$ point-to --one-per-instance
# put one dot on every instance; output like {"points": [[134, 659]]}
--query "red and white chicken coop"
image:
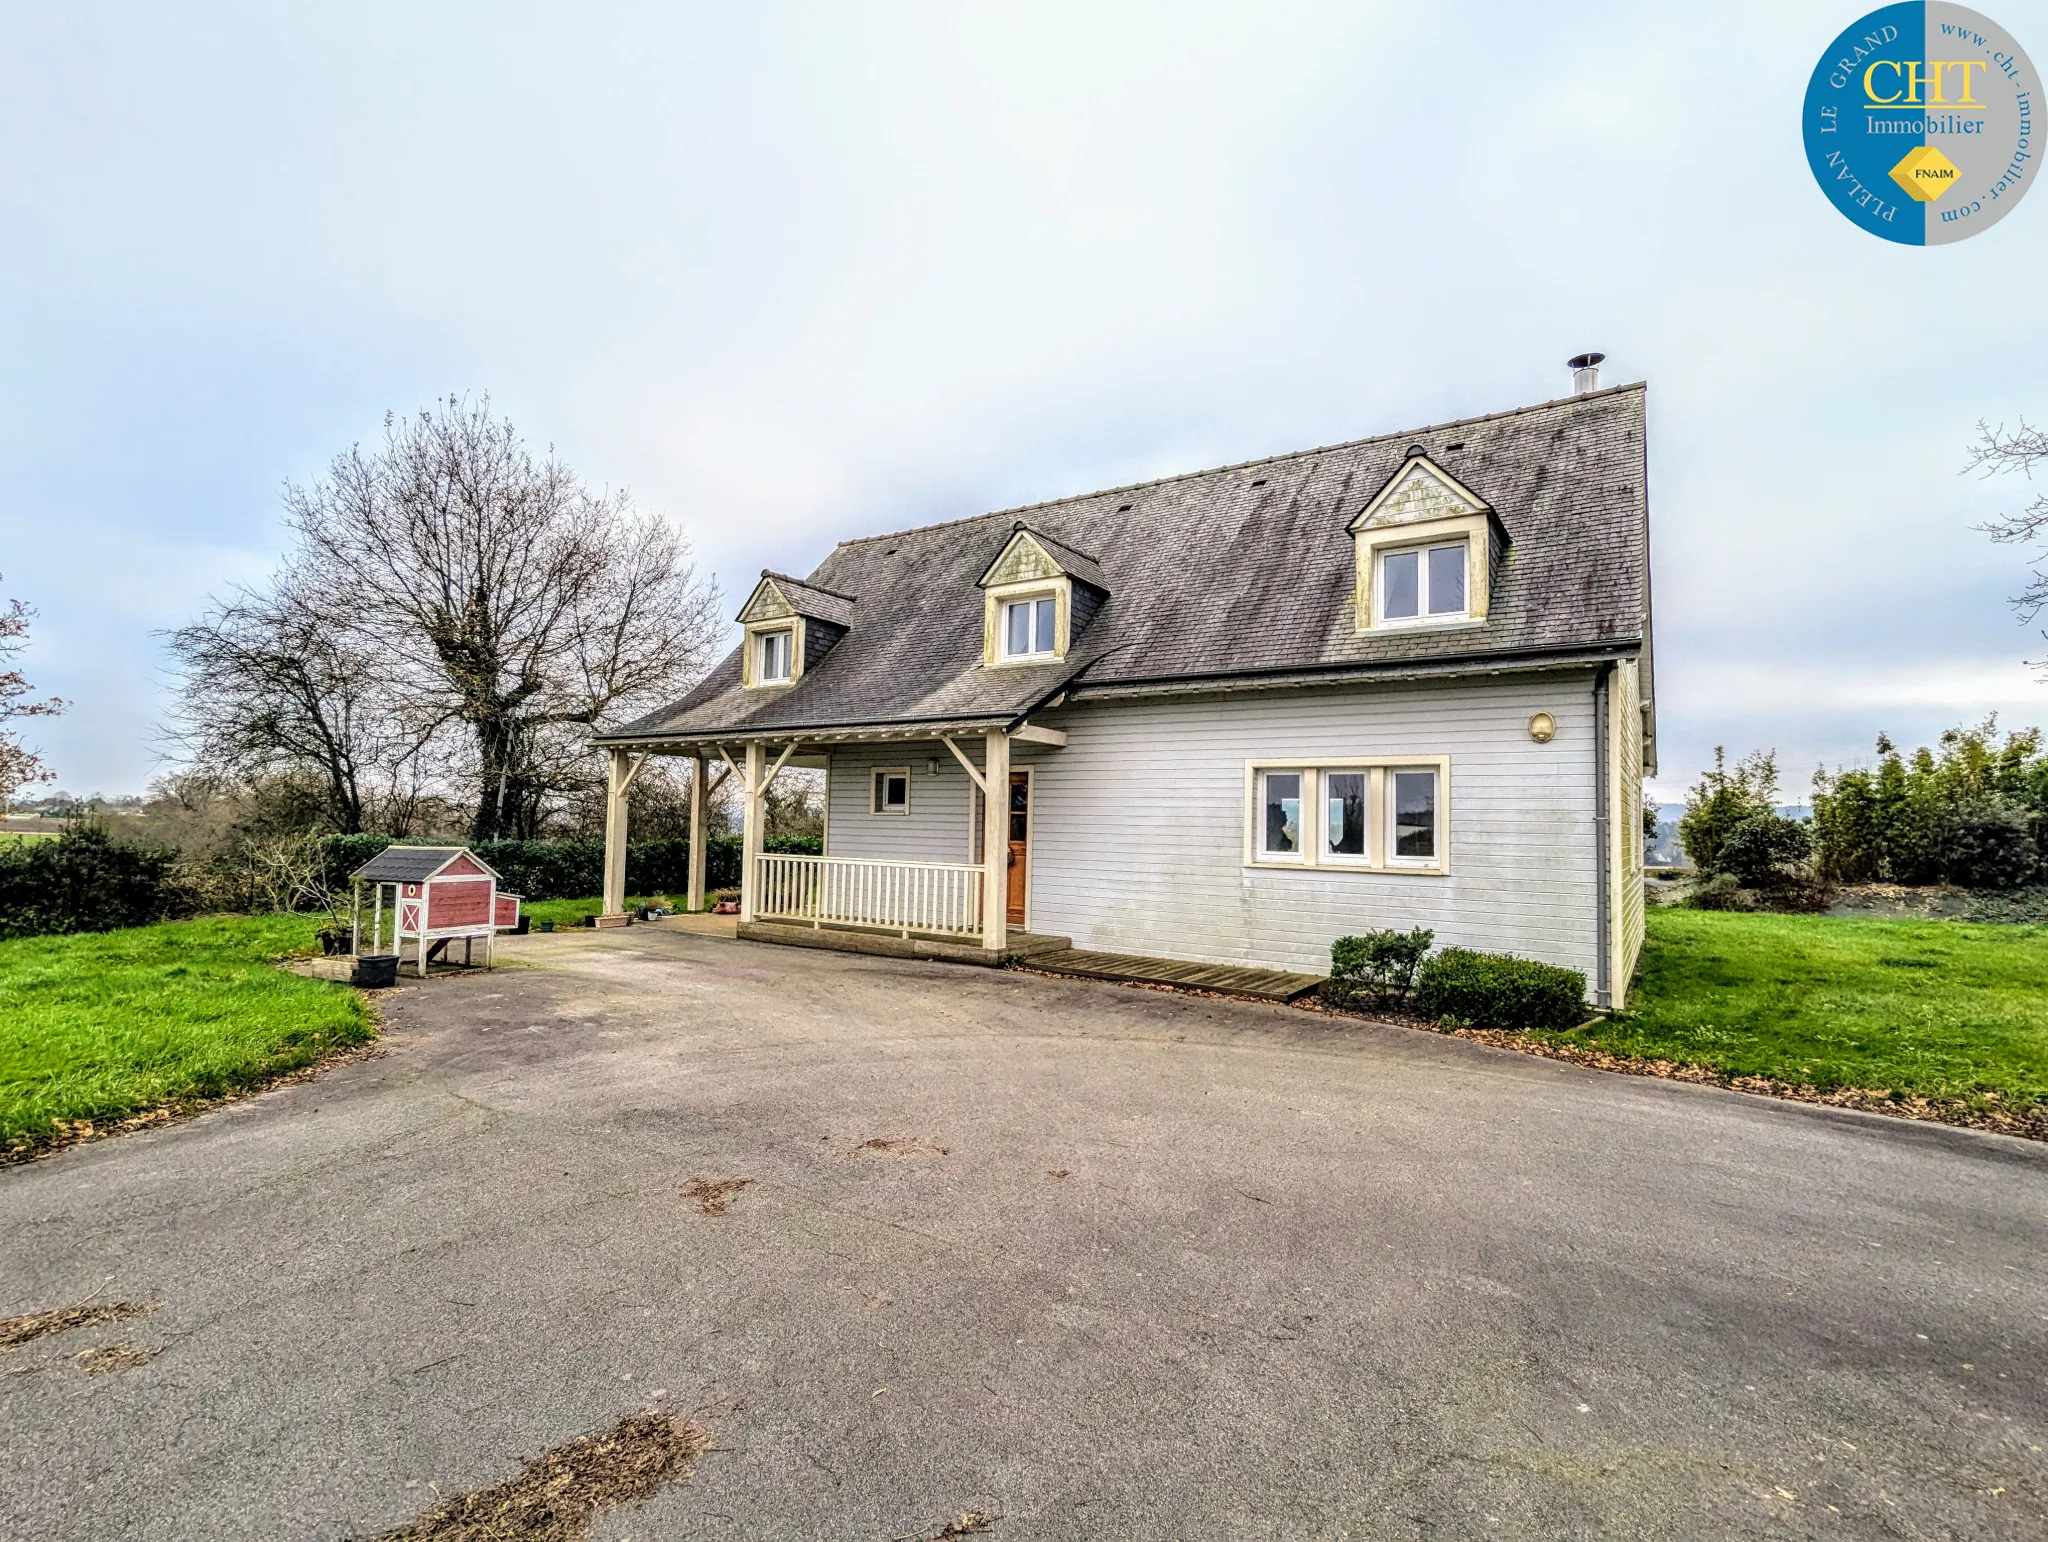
{"points": [[438, 895]]}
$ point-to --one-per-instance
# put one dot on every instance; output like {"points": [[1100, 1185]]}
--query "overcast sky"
{"points": [[793, 274]]}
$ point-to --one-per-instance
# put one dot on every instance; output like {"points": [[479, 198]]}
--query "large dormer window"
{"points": [[772, 657], [1031, 627], [1423, 583], [1427, 548], [1037, 596]]}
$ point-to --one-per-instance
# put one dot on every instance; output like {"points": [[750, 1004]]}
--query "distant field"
{"points": [[102, 1025], [1937, 1009]]}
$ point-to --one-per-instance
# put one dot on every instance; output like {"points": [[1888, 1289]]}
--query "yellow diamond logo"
{"points": [[1925, 173]]}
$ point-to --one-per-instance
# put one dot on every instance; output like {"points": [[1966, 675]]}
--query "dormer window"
{"points": [[791, 625], [1037, 596], [1427, 549], [771, 663], [1425, 583], [1031, 628]]}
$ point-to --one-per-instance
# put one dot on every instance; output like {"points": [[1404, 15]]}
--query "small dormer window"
{"points": [[1031, 628], [773, 657], [1423, 583]]}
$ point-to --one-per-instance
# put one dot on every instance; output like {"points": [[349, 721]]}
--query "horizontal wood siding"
{"points": [[1139, 824], [937, 828]]}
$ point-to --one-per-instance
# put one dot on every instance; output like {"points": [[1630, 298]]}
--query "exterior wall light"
{"points": [[1543, 728]]}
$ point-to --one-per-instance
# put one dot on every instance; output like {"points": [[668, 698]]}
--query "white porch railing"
{"points": [[942, 897]]}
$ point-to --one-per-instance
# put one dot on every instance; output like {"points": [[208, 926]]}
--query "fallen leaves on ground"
{"points": [[559, 1496], [899, 1146], [114, 1357], [34, 1325], [714, 1196]]}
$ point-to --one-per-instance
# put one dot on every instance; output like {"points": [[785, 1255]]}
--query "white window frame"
{"points": [[1323, 852], [1315, 855], [1414, 864], [1420, 550], [1034, 654], [762, 641], [875, 803], [1305, 796]]}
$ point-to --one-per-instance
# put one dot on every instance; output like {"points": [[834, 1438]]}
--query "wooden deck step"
{"points": [[1259, 984]]}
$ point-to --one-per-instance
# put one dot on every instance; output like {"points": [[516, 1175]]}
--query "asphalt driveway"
{"points": [[1124, 1264]]}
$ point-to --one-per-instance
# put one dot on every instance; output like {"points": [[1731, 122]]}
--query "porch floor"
{"points": [[1259, 984]]}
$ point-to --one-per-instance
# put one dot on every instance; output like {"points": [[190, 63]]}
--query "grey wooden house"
{"points": [[1223, 717]]}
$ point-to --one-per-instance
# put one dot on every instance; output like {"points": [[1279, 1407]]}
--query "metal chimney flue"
{"points": [[1585, 370]]}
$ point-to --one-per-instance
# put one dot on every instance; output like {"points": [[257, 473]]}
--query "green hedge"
{"points": [[85, 881], [1497, 990], [542, 870]]}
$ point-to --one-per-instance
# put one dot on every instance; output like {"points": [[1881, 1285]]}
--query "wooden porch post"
{"points": [[995, 842], [756, 777], [698, 812], [618, 779]]}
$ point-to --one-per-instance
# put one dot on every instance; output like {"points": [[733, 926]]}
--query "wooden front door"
{"points": [[1020, 844]]}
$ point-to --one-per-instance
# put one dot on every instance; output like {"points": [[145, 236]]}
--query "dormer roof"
{"points": [[1032, 553], [778, 595], [1418, 492]]}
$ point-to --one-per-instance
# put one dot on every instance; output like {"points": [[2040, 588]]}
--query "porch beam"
{"points": [[1031, 733], [973, 771], [995, 840]]}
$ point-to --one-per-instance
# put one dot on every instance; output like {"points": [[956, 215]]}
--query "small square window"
{"points": [[892, 792], [772, 659], [1028, 627], [1423, 582]]}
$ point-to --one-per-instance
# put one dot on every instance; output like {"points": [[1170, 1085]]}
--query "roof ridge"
{"points": [[1244, 465]]}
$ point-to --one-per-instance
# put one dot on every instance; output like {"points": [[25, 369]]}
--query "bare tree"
{"points": [[274, 681], [1995, 453], [509, 600], [20, 766]]}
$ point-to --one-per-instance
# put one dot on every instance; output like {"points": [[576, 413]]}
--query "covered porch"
{"points": [[908, 905]]}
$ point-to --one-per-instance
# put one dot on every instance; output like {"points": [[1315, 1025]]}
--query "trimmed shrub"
{"points": [[85, 881], [1497, 990], [1379, 966]]}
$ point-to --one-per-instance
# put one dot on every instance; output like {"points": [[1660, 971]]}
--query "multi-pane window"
{"points": [[1028, 628], [772, 658], [1382, 814], [1423, 582]]}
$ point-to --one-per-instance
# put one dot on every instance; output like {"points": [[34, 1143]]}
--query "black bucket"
{"points": [[375, 971]]}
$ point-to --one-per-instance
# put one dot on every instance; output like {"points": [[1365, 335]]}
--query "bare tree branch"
{"points": [[20, 766], [1996, 453]]}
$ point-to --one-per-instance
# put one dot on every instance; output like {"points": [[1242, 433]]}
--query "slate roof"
{"points": [[1227, 577], [411, 864], [807, 599], [1078, 564]]}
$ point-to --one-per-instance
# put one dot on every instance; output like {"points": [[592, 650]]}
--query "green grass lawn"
{"points": [[107, 1024], [570, 912], [1937, 1009]]}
